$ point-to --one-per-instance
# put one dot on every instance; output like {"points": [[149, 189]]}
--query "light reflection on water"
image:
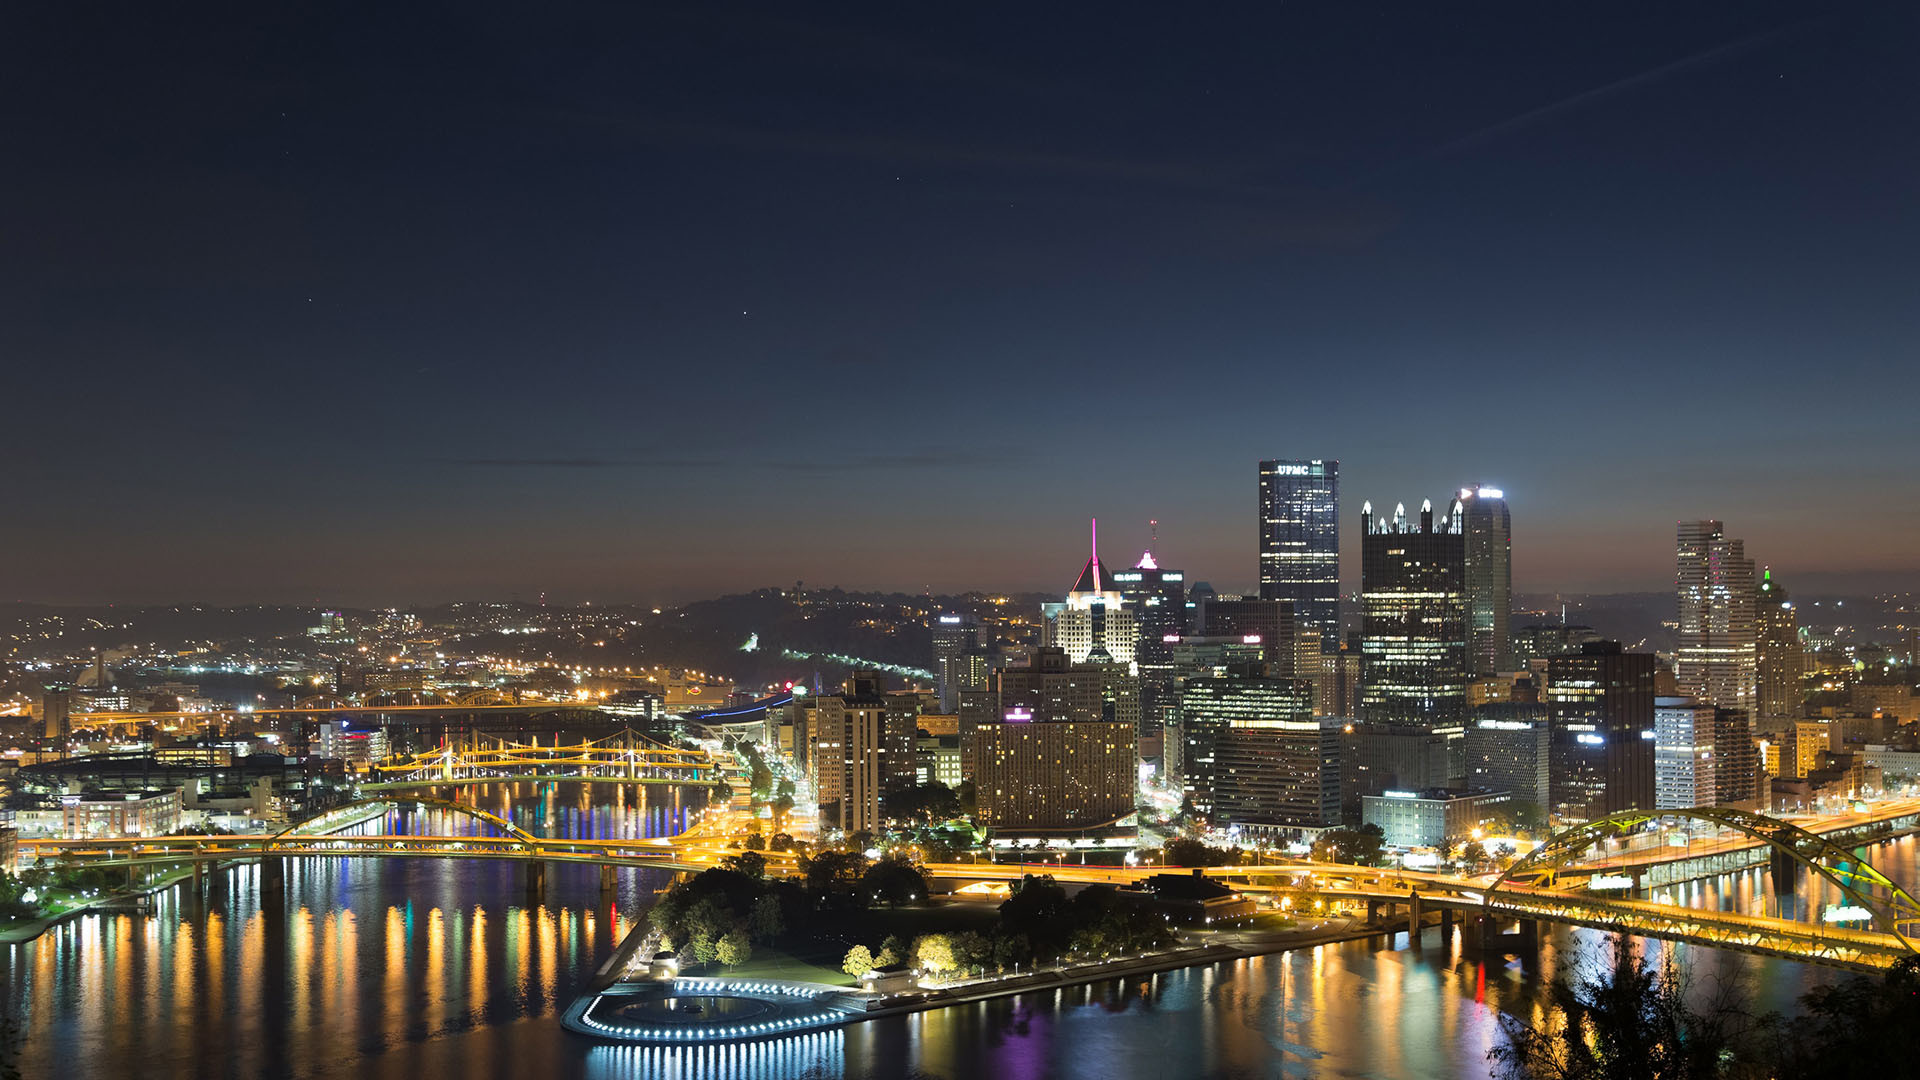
{"points": [[413, 968]]}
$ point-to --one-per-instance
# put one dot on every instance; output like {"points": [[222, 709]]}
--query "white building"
{"points": [[1685, 773]]}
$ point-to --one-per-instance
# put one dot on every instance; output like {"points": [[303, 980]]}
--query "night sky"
{"points": [[629, 301]]}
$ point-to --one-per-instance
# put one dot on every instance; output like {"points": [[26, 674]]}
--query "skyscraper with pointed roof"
{"points": [[1093, 624]]}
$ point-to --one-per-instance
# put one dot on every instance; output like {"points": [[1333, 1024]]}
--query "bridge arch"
{"points": [[483, 697], [1890, 905], [513, 831]]}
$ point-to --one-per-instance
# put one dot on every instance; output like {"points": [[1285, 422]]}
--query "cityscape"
{"points": [[420, 660]]}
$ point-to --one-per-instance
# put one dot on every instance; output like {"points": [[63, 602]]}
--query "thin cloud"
{"points": [[933, 458], [1586, 98]]}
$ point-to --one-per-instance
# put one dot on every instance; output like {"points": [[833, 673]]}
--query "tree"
{"points": [[894, 950], [971, 950], [1355, 847], [780, 842], [859, 961], [934, 953], [756, 842], [734, 949], [1855, 1028], [782, 807], [1182, 851], [1039, 914], [751, 863], [895, 881], [703, 947], [1630, 1023], [765, 920], [1011, 949]]}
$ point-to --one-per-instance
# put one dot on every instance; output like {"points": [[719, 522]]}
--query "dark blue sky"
{"points": [[431, 301]]}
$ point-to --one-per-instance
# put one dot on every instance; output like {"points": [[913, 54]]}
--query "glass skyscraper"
{"points": [[1300, 543], [1413, 644], [1489, 533]]}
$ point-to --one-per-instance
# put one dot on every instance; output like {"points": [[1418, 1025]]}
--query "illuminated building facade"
{"points": [[860, 742], [1685, 762], [959, 663], [1432, 818], [1777, 658], [1157, 598], [1740, 774], [1061, 774], [1601, 707], [1717, 658], [1267, 623], [1253, 755], [1413, 645], [1093, 624], [1489, 578], [1508, 749], [1300, 543]]}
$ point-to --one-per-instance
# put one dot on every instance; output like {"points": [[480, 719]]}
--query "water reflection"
{"points": [[371, 969]]}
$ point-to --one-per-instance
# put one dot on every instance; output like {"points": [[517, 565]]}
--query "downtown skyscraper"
{"points": [[1718, 656], [1489, 564], [1413, 635], [1300, 544], [1410, 733]]}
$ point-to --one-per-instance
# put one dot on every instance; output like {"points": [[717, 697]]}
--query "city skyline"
{"points": [[475, 314]]}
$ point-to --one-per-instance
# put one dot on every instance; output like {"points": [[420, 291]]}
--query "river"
{"points": [[412, 968]]}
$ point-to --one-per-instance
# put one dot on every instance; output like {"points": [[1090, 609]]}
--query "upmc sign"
{"points": [[1293, 470]]}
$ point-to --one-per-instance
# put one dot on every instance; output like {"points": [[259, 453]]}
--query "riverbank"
{"points": [[623, 980], [118, 900]]}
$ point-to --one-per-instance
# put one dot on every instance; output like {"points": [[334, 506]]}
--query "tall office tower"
{"points": [[1267, 623], [953, 638], [1413, 645], [1601, 706], [1685, 759], [1157, 597], [1717, 659], [1508, 750], [848, 744], [1300, 543], [1093, 623], [1777, 657], [1209, 706], [1489, 564], [1411, 733], [1254, 756], [1739, 773]]}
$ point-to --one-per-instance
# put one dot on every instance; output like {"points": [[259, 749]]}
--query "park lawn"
{"points": [[816, 965]]}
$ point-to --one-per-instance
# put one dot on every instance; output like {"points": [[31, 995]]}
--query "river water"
{"points": [[415, 968]]}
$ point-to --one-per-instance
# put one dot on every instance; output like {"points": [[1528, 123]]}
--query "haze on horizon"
{"points": [[429, 303]]}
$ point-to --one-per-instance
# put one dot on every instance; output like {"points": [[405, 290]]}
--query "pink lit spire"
{"points": [[1094, 560]]}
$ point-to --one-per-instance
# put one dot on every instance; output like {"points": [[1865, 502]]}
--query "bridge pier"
{"points": [[1446, 925], [1413, 919], [607, 880], [1373, 913], [536, 880], [273, 878]]}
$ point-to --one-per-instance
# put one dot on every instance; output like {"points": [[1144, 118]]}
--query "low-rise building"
{"points": [[1189, 898], [1430, 818], [108, 814]]}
